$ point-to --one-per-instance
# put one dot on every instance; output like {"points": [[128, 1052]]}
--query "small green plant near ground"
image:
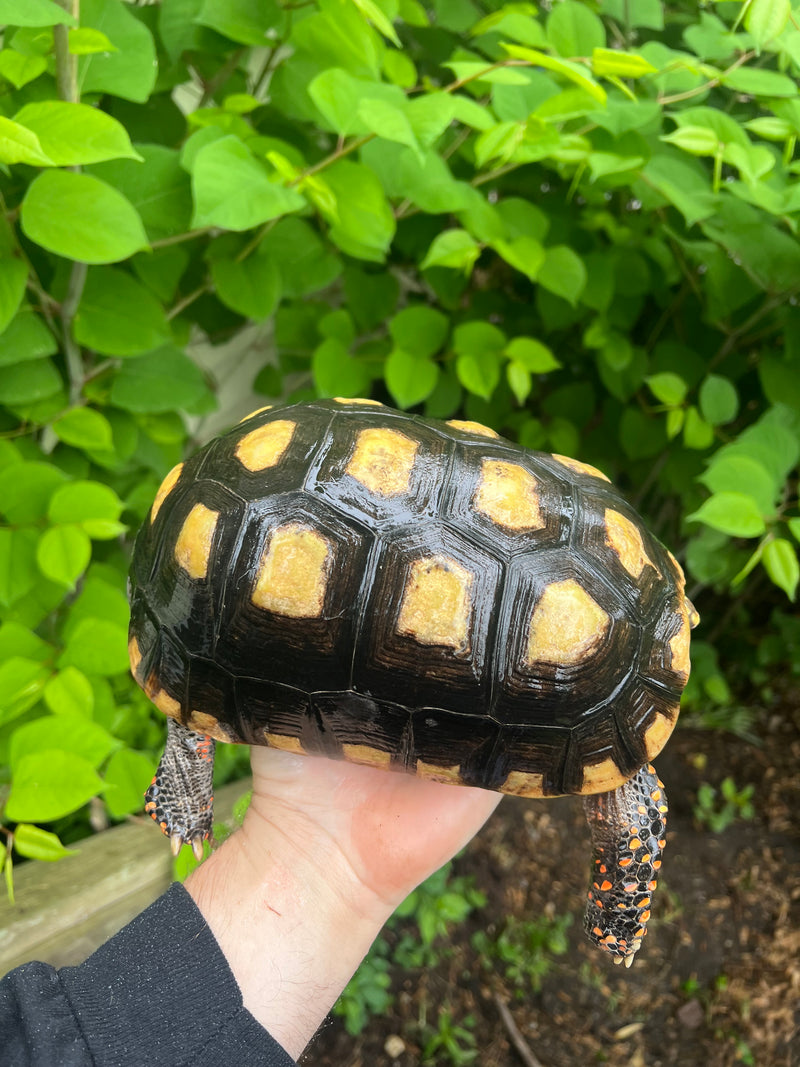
{"points": [[524, 949], [717, 809], [435, 907], [367, 993], [450, 1041]]}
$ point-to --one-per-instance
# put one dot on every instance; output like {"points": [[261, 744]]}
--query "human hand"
{"points": [[327, 851]]}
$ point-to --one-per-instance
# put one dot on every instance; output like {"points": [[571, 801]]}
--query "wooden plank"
{"points": [[65, 910]]}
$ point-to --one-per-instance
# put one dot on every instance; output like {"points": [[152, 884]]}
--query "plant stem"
{"points": [[67, 81], [66, 63]]}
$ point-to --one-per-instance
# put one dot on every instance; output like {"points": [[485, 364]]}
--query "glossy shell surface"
{"points": [[339, 578]]}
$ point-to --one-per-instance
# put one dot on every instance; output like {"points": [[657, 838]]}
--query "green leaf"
{"points": [[19, 69], [117, 316], [500, 142], [159, 189], [13, 279], [130, 72], [765, 20], [84, 428], [21, 683], [338, 96], [759, 82], [19, 145], [479, 373], [165, 380], [696, 140], [399, 69], [70, 693], [420, 331], [563, 273], [233, 190], [25, 383], [336, 373], [97, 646], [26, 337], [63, 554], [93, 506], [739, 473], [26, 488], [573, 29], [410, 378], [87, 42], [73, 134], [50, 784], [127, 776], [79, 217], [609, 62], [387, 121], [431, 114], [370, 10], [697, 433], [519, 380], [523, 253], [34, 843], [452, 248], [781, 564], [667, 387], [719, 402], [794, 528], [574, 72], [365, 225], [732, 513], [679, 182], [531, 354], [252, 287], [34, 13], [769, 127], [241, 20], [67, 733], [306, 264], [16, 640]]}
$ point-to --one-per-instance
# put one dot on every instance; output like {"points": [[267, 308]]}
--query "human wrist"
{"points": [[293, 919]]}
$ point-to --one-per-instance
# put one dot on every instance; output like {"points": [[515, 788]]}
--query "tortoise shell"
{"points": [[340, 578]]}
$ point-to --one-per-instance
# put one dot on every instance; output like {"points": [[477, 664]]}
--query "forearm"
{"points": [[294, 923]]}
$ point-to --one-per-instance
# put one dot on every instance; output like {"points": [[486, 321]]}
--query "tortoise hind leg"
{"points": [[627, 827], [180, 796]]}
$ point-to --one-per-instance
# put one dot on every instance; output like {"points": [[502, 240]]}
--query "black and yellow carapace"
{"points": [[339, 578]]}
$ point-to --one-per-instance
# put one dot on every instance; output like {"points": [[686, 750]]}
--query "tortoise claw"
{"points": [[175, 843], [197, 848]]}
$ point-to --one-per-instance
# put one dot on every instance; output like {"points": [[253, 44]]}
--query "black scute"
{"points": [[348, 677]]}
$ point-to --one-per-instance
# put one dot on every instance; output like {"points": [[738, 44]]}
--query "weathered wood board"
{"points": [[65, 910]]}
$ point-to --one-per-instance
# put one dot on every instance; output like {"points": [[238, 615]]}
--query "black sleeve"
{"points": [[160, 993]]}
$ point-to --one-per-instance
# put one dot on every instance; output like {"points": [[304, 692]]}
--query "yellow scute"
{"points": [[567, 626], [293, 572]]}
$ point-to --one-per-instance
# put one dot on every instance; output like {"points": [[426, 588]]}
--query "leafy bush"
{"points": [[577, 224]]}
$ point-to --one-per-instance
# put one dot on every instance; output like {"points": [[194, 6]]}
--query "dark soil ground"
{"points": [[717, 982]]}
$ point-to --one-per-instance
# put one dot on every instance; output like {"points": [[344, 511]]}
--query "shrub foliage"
{"points": [[576, 223]]}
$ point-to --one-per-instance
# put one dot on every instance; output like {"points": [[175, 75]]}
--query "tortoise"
{"points": [[340, 578]]}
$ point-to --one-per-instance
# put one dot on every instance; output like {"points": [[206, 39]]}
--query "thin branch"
{"points": [[179, 238], [187, 300], [712, 84], [520, 1044]]}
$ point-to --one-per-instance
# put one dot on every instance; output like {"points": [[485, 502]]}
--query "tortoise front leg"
{"points": [[180, 796], [627, 827]]}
